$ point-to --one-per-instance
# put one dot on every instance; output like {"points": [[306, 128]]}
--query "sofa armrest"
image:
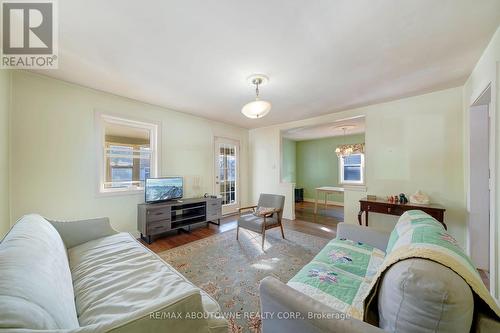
{"points": [[280, 302], [77, 232], [357, 233]]}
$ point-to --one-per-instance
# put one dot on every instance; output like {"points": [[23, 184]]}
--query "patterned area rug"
{"points": [[230, 270]]}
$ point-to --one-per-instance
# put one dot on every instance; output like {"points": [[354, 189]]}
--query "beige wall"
{"points": [[54, 156], [486, 72], [412, 143], [4, 151]]}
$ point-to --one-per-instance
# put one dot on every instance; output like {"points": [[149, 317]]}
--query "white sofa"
{"points": [[83, 276]]}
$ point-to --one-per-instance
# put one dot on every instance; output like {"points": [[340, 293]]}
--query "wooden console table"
{"points": [[386, 207]]}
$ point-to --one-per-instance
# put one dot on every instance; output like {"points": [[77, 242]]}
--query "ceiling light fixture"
{"points": [[257, 108], [348, 149]]}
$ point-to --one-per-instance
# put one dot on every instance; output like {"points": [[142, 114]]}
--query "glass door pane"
{"points": [[226, 185], [227, 173]]}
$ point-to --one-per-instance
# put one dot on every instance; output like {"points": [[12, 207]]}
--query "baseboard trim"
{"points": [[322, 202], [230, 214]]}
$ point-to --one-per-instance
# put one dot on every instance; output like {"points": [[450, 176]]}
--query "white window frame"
{"points": [[101, 121], [352, 182]]}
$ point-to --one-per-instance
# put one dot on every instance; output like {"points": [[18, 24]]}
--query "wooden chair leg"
{"points": [[282, 233], [263, 237], [237, 231]]}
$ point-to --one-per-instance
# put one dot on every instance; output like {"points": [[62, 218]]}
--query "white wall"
{"points": [[486, 72], [54, 168], [4, 151], [412, 143]]}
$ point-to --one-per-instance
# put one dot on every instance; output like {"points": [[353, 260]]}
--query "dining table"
{"points": [[326, 190]]}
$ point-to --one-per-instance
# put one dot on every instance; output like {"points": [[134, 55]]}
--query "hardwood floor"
{"points": [[330, 216], [174, 239]]}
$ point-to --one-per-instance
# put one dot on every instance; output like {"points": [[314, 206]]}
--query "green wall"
{"points": [[52, 126], [289, 169], [317, 164]]}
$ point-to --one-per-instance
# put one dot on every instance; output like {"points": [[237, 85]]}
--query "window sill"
{"points": [[354, 187], [120, 192]]}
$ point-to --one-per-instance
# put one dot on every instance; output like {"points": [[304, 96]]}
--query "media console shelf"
{"points": [[158, 218]]}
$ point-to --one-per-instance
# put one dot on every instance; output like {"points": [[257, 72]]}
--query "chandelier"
{"points": [[349, 149]]}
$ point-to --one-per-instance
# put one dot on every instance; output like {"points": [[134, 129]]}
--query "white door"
{"points": [[227, 156]]}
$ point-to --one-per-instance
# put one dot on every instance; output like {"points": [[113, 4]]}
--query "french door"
{"points": [[227, 173]]}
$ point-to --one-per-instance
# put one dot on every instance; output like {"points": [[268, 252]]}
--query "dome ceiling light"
{"points": [[257, 108]]}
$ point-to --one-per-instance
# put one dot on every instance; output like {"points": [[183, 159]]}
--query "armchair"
{"points": [[261, 222]]}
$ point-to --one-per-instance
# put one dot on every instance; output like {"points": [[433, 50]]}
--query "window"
{"points": [[351, 169], [129, 154]]}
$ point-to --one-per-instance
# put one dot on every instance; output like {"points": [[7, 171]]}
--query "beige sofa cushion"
{"points": [[36, 290], [115, 277]]}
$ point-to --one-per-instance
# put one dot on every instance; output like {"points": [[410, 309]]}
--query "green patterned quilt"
{"points": [[418, 235], [345, 274], [340, 275]]}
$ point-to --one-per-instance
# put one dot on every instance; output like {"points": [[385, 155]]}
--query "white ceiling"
{"points": [[353, 126], [321, 56]]}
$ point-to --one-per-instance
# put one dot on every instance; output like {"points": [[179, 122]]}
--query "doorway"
{"points": [[318, 171], [227, 173], [481, 204]]}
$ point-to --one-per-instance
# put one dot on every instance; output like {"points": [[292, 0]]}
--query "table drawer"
{"points": [[158, 227], [213, 215], [158, 214], [214, 209], [214, 203], [383, 209]]}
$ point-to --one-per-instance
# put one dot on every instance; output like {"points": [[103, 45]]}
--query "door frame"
{"points": [[237, 143], [492, 182], [479, 205]]}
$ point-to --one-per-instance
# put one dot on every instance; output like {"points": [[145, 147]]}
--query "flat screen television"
{"points": [[163, 189]]}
